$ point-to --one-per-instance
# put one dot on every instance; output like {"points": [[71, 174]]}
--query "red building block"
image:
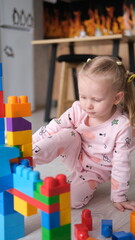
{"points": [[55, 186], [87, 219], [46, 208], [2, 105], [80, 232]]}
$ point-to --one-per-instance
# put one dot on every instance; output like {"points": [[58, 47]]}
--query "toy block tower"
{"points": [[56, 221], [11, 222], [19, 130], [21, 189]]}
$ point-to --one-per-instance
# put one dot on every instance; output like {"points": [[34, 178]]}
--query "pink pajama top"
{"points": [[105, 148]]}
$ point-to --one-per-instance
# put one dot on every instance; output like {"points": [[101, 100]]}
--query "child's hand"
{"points": [[122, 206]]}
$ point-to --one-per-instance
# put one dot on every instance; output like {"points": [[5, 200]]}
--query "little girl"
{"points": [[95, 136]]}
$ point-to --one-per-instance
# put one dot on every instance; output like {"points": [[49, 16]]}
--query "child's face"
{"points": [[97, 97]]}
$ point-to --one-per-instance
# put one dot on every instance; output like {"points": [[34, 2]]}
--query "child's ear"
{"points": [[119, 96]]}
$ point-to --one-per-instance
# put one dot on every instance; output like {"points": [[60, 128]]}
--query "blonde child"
{"points": [[95, 136]]}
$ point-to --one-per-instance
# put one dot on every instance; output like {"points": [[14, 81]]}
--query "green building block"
{"points": [[43, 198], [61, 233]]}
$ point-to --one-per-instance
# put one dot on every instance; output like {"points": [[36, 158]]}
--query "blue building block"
{"points": [[2, 124], [51, 220], [6, 182], [7, 153], [122, 236], [6, 203], [25, 179], [106, 228], [26, 163], [11, 226], [1, 88], [2, 137]]}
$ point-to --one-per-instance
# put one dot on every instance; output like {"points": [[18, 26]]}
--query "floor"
{"points": [[100, 205]]}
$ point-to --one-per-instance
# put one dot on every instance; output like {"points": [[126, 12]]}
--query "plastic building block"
{"points": [[2, 137], [87, 218], [5, 207], [34, 202], [106, 228], [6, 182], [60, 233], [43, 198], [30, 159], [17, 124], [51, 220], [19, 137], [7, 153], [80, 232], [26, 150], [25, 179], [1, 84], [92, 238], [17, 107], [2, 105], [65, 201], [11, 226], [55, 186], [65, 216], [2, 124], [23, 207], [122, 236], [132, 222]]}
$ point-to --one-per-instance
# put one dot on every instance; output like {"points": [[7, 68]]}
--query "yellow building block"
{"points": [[64, 200], [65, 216], [23, 207], [19, 137], [27, 150], [132, 222], [17, 107]]}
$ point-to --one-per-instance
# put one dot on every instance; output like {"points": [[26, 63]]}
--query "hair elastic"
{"points": [[131, 78], [89, 59], [119, 63]]}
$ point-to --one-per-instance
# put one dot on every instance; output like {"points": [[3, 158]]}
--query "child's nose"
{"points": [[89, 105]]}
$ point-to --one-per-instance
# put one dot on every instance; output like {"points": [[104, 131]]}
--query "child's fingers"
{"points": [[125, 205], [119, 206]]}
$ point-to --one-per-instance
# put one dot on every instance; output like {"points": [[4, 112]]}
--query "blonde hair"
{"points": [[112, 69]]}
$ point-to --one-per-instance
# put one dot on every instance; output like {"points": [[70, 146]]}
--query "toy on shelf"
{"points": [[22, 191]]}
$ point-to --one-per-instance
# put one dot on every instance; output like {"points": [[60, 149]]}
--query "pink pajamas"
{"points": [[93, 154]]}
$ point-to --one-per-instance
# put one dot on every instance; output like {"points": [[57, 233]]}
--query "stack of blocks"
{"points": [[22, 191]]}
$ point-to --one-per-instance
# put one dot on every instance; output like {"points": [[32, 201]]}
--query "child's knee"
{"points": [[80, 195]]}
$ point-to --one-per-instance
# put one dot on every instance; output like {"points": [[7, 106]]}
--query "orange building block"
{"points": [[17, 107], [132, 222], [92, 238]]}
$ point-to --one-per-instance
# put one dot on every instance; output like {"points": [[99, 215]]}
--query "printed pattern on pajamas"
{"points": [[92, 154]]}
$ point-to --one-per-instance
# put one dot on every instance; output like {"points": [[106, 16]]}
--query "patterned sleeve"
{"points": [[68, 119], [121, 165], [45, 147]]}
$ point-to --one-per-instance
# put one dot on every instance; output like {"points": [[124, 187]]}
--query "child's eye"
{"points": [[97, 100], [82, 97]]}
